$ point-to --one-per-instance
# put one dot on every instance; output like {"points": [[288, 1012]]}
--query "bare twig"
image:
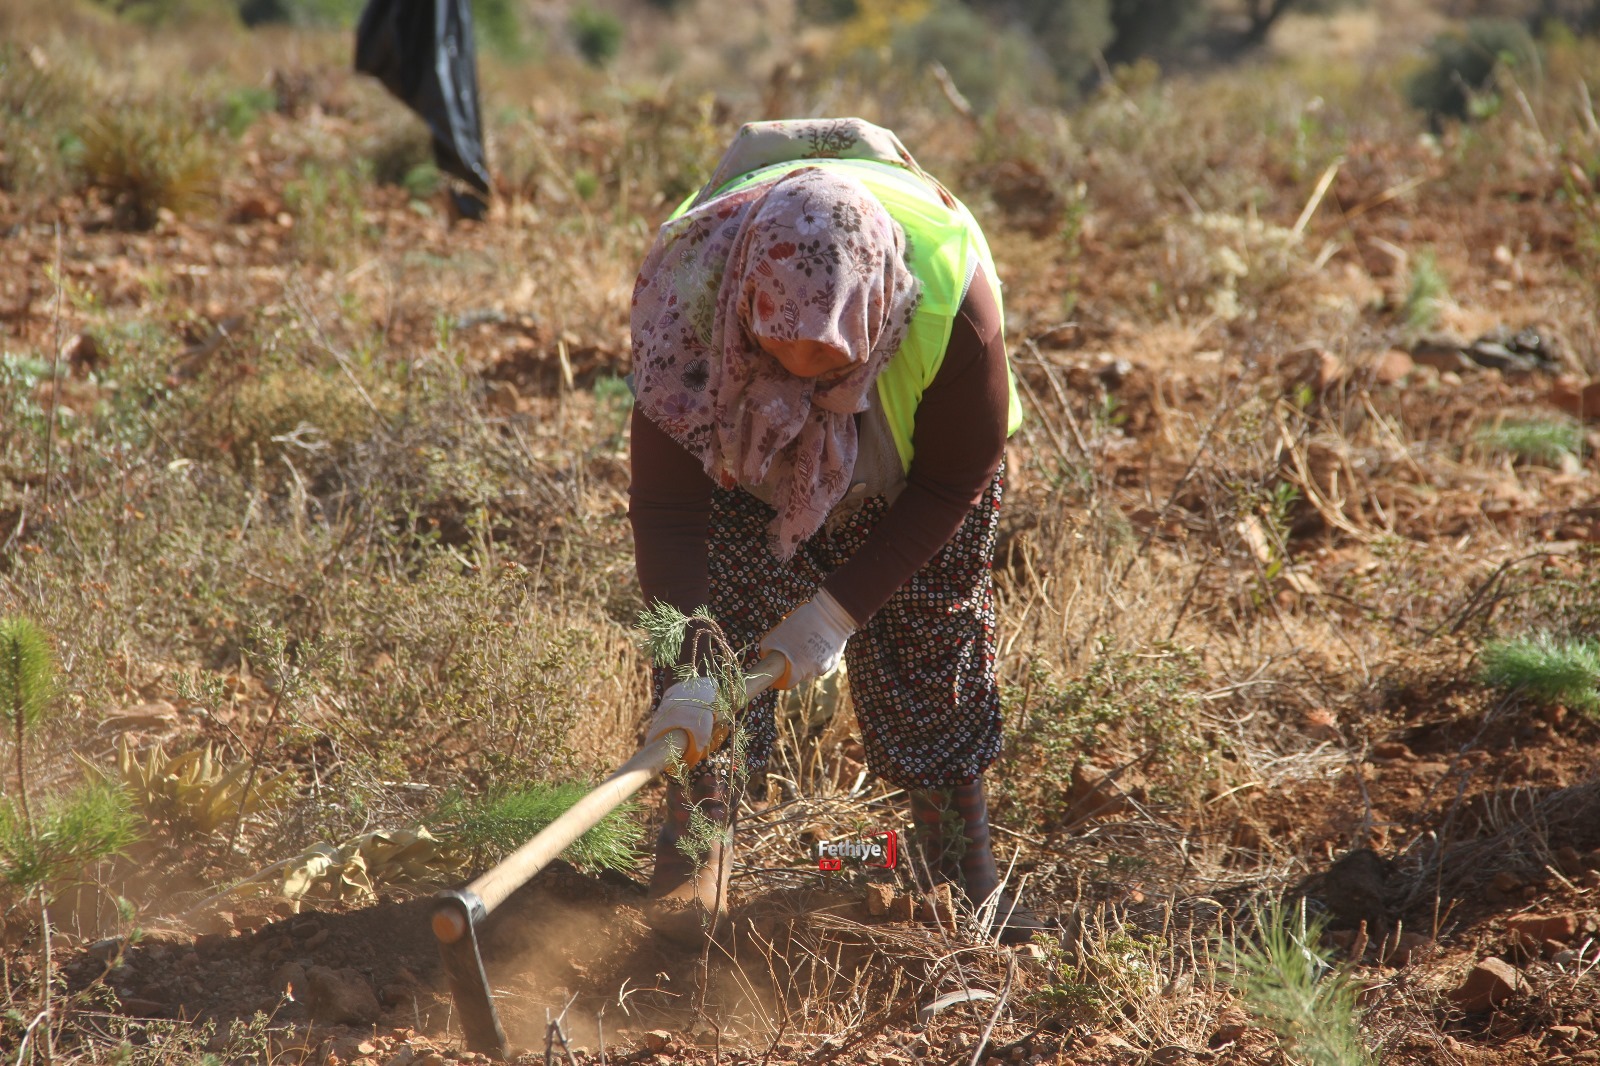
{"points": [[55, 385]]}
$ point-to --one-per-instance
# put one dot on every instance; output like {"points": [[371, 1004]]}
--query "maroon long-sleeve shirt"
{"points": [[958, 442]]}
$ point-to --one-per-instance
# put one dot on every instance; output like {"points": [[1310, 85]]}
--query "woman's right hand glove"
{"points": [[688, 705], [811, 639]]}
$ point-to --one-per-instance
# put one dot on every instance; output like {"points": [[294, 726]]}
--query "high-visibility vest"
{"points": [[944, 246]]}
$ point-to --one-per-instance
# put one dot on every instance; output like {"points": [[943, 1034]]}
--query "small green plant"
{"points": [[41, 850], [1287, 982], [241, 107], [1550, 669], [329, 210], [1128, 703], [596, 34], [1459, 80], [1540, 440], [1426, 291], [67, 833], [398, 150], [27, 684], [1066, 992], [497, 823]]}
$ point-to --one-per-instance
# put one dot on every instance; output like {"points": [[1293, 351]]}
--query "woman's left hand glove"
{"points": [[689, 705], [811, 639]]}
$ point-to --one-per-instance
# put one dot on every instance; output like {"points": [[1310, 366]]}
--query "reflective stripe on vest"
{"points": [[941, 245]]}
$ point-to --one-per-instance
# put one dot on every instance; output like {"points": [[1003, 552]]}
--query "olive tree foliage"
{"points": [[1077, 35]]}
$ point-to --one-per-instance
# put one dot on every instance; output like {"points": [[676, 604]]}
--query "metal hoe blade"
{"points": [[456, 916]]}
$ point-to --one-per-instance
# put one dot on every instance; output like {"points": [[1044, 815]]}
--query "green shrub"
{"points": [[1547, 668], [497, 27], [68, 832], [1127, 705], [499, 822], [47, 842], [596, 34], [1287, 983], [1463, 64], [399, 150], [987, 64], [1425, 292], [1541, 440], [241, 107]]}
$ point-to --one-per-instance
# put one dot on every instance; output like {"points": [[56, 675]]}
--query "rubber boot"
{"points": [[952, 826], [688, 893]]}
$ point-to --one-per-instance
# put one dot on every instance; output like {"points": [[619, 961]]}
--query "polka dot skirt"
{"points": [[921, 670]]}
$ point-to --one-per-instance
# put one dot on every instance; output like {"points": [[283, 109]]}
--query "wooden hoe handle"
{"points": [[516, 869]]}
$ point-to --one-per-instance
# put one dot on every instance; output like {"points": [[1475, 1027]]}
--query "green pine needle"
{"points": [[499, 822], [1538, 440], [69, 833], [27, 671], [664, 627], [1287, 983], [1548, 668]]}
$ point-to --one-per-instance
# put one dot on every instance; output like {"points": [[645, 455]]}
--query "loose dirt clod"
{"points": [[1491, 982]]}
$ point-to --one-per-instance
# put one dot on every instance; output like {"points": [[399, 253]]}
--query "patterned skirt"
{"points": [[922, 670]]}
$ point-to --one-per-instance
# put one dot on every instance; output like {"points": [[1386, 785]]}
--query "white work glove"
{"points": [[811, 639], [689, 705]]}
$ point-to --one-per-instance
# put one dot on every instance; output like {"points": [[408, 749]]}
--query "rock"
{"points": [[1576, 399], [879, 899], [1408, 948], [655, 1041], [1093, 794], [1393, 367], [142, 1008], [1491, 982], [1443, 352], [1565, 1034], [1354, 888], [1535, 928], [341, 997], [1319, 723], [1228, 1032], [290, 980], [404, 1057], [939, 908]]}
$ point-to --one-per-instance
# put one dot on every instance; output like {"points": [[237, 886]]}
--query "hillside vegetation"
{"points": [[317, 584]]}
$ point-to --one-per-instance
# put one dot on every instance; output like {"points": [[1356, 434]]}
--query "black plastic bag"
{"points": [[423, 53]]}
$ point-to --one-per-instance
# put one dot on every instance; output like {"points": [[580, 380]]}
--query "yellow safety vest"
{"points": [[942, 245]]}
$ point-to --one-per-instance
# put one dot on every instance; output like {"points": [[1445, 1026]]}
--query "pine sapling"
{"points": [[27, 681], [69, 832], [1288, 983]]}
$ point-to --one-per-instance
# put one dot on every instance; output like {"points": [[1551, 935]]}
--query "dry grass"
{"points": [[1235, 555]]}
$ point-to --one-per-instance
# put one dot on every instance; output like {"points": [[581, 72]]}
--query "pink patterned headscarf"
{"points": [[811, 256]]}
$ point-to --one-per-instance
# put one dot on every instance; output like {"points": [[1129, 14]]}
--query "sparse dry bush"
{"points": [[145, 160]]}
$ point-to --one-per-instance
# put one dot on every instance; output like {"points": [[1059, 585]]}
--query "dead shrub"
{"points": [[146, 160]]}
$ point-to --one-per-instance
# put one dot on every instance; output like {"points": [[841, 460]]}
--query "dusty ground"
{"points": [[1329, 743]]}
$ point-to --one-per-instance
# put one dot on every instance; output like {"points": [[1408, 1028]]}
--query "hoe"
{"points": [[457, 913]]}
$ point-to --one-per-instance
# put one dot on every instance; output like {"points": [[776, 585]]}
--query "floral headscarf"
{"points": [[809, 256]]}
